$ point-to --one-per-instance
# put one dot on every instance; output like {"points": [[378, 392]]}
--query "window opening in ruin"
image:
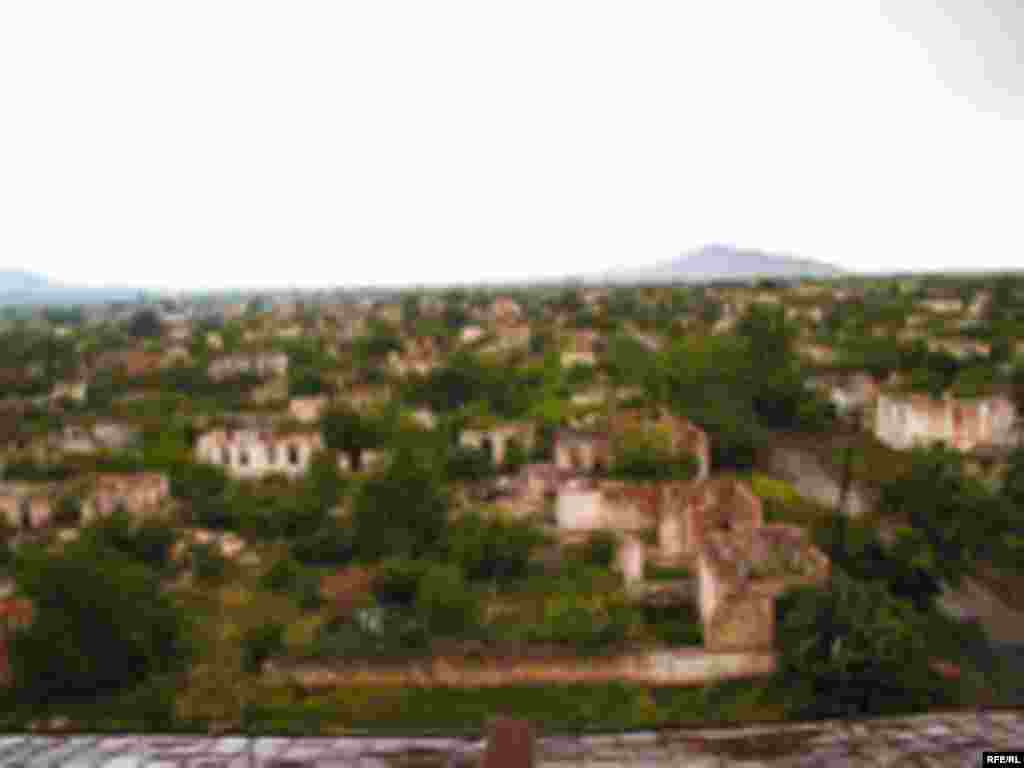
{"points": [[273, 454], [243, 458], [225, 456], [293, 455]]}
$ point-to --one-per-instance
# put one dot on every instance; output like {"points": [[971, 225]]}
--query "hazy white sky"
{"points": [[212, 143]]}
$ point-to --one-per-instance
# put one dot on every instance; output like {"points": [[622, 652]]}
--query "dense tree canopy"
{"points": [[955, 519], [854, 650], [403, 510], [347, 431], [101, 624], [145, 324]]}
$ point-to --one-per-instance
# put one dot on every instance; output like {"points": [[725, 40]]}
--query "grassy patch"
{"points": [[782, 504], [665, 573], [555, 708]]}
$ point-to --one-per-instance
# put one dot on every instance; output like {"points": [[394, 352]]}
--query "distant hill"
{"points": [[18, 287], [723, 262], [19, 281]]}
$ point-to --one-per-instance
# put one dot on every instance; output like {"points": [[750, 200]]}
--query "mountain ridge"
{"points": [[718, 261], [22, 287]]}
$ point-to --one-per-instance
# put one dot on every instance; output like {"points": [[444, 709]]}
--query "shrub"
{"points": [[402, 511], [640, 457], [208, 565], [259, 644], [491, 549], [69, 511], [374, 633], [282, 576], [101, 624], [307, 591], [600, 549], [515, 456], [149, 542], [398, 581], [674, 624], [444, 602], [588, 623], [854, 650], [468, 464], [330, 545]]}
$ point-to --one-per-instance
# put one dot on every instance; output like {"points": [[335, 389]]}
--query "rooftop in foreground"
{"points": [[949, 739]]}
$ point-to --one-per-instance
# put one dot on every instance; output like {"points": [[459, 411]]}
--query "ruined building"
{"points": [[262, 364], [905, 421], [250, 453], [140, 494]]}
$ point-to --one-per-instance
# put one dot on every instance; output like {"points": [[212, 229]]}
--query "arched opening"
{"points": [[243, 457], [25, 510], [293, 455]]}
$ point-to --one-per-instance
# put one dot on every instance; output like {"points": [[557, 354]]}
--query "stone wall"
{"points": [[307, 410], [581, 451], [25, 506], [675, 667], [690, 510], [740, 575], [580, 510]]}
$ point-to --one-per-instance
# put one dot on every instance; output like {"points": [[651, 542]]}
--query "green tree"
{"points": [[491, 549], [643, 457], [854, 650], [145, 324], [402, 511], [515, 456], [856, 548], [205, 489], [331, 544], [102, 623], [398, 580], [305, 382], [259, 644], [209, 566], [1012, 497], [954, 518], [444, 602], [149, 542], [347, 431], [600, 549]]}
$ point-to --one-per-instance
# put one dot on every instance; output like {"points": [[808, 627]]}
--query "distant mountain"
{"points": [[27, 288], [724, 262], [19, 281]]}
